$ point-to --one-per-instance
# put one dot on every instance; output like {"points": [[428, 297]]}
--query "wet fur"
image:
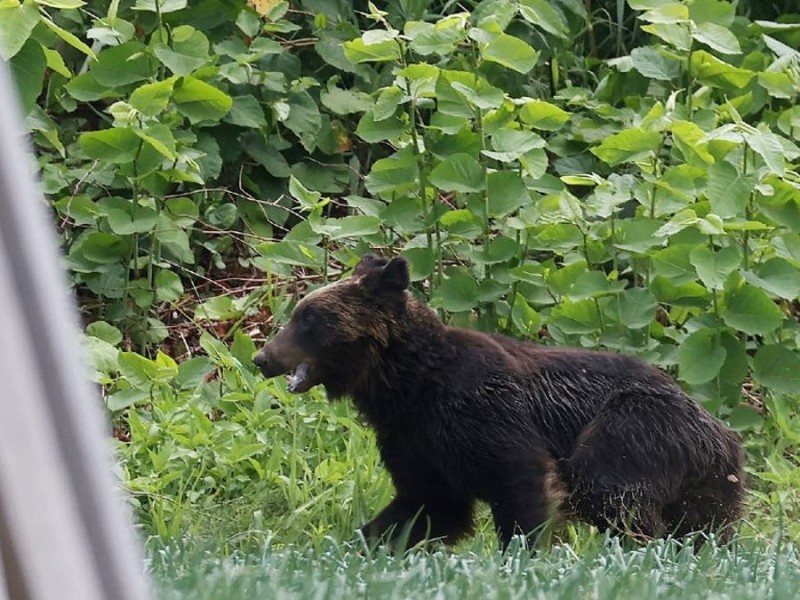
{"points": [[461, 415]]}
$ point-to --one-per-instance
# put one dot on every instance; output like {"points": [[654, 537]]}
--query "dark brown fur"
{"points": [[461, 415]]}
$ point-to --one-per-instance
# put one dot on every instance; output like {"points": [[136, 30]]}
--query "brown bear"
{"points": [[462, 416]]}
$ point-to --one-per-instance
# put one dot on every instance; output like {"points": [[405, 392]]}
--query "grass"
{"points": [[663, 569]]}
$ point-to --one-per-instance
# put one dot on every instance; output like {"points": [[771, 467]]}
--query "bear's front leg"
{"points": [[408, 521]]}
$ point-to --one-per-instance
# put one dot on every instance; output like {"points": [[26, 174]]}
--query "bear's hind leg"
{"points": [[523, 496]]}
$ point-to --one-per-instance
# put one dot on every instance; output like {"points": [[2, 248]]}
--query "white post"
{"points": [[64, 531]]}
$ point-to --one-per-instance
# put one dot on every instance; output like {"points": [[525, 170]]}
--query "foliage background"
{"points": [[618, 175]]}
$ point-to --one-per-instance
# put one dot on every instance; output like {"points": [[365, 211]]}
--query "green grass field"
{"points": [[663, 569]]}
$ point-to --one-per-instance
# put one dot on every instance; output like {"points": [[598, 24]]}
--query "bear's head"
{"points": [[335, 332]]}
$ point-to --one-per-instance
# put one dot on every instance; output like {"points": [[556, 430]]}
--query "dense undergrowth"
{"points": [[608, 174]]}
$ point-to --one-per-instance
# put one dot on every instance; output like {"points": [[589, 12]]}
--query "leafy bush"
{"points": [[624, 178]]}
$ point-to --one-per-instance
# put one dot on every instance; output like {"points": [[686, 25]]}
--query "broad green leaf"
{"points": [[168, 286], [713, 267], [371, 130], [676, 35], [459, 93], [510, 52], [768, 146], [576, 318], [777, 277], [68, 37], [688, 137], [700, 357], [542, 14], [189, 50], [506, 193], [778, 85], [458, 173], [55, 62], [543, 115], [119, 401], [359, 51], [636, 307], [594, 284], [246, 111], [679, 221], [122, 65], [750, 310], [728, 191], [719, 12], [151, 99], [345, 102], [164, 6], [509, 144], [388, 101], [666, 13], [308, 199], [654, 64], [714, 72], [103, 248], [394, 175], [17, 22], [116, 144], [105, 331], [457, 292], [353, 226], [27, 69], [524, 317], [717, 37], [200, 101], [304, 119], [440, 38], [627, 146], [745, 418], [778, 369]]}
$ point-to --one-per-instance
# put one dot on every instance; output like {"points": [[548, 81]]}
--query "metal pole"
{"points": [[64, 531]]}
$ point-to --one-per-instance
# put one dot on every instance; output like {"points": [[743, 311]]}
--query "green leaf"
{"points": [[69, 38], [510, 52], [169, 287], [637, 307], [164, 6], [345, 102], [542, 14], [122, 65], [713, 267], [768, 146], [777, 277], [152, 99], [700, 357], [745, 418], [308, 199], [576, 318], [510, 144], [394, 175], [627, 146], [358, 51], [17, 22], [714, 72], [457, 292], [654, 64], [717, 37], [27, 68], [440, 38], [371, 130], [104, 331], [123, 399], [727, 190], [200, 101], [543, 115], [246, 111], [524, 317], [750, 310], [304, 119], [188, 53], [116, 144], [778, 369], [458, 173], [353, 226], [506, 193]]}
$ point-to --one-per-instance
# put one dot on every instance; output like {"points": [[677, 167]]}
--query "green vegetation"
{"points": [[607, 174]]}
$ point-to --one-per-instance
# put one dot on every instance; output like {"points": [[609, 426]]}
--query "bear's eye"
{"points": [[305, 319]]}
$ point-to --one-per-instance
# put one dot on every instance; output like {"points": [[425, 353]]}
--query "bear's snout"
{"points": [[268, 365]]}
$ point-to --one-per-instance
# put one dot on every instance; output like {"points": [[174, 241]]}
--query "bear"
{"points": [[461, 416]]}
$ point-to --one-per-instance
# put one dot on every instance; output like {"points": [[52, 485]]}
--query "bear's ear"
{"points": [[368, 262], [378, 276], [395, 275]]}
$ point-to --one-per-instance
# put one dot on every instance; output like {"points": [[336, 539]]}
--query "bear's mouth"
{"points": [[300, 380]]}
